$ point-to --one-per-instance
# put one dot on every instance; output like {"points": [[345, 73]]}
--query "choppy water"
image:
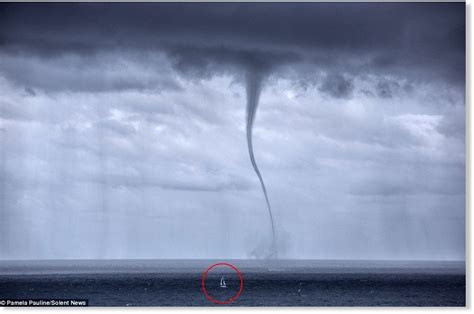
{"points": [[275, 283]]}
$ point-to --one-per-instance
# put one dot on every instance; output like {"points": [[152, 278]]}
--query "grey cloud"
{"points": [[424, 39], [9, 111], [451, 125], [30, 91], [337, 86], [406, 183], [99, 73], [386, 88], [207, 61], [116, 127], [178, 183]]}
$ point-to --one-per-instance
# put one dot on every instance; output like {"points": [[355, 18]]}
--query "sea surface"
{"points": [[265, 283]]}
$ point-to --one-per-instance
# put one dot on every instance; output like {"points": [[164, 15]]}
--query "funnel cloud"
{"points": [[254, 85]]}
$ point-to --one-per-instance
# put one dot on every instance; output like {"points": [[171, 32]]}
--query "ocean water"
{"points": [[265, 283]]}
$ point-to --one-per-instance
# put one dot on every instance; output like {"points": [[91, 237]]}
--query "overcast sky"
{"points": [[122, 130]]}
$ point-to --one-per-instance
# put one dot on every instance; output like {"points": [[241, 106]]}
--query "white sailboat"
{"points": [[222, 284]]}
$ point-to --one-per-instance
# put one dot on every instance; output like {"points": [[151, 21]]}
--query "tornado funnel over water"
{"points": [[254, 85]]}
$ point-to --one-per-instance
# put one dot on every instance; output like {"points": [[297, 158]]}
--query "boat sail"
{"points": [[222, 284]]}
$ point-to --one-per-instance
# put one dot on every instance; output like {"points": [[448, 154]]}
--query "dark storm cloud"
{"points": [[337, 86], [416, 39]]}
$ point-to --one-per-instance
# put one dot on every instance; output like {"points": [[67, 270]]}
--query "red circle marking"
{"points": [[204, 275]]}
